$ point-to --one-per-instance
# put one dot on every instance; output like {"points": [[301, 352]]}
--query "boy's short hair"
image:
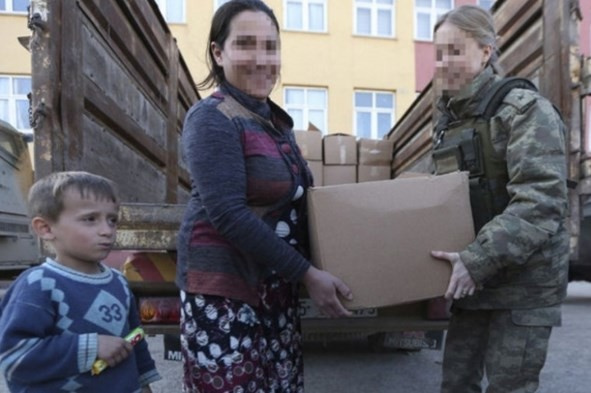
{"points": [[46, 197]]}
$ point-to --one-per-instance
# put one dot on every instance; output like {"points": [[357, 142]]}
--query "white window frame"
{"points": [[434, 14], [306, 15], [305, 107], [374, 6], [12, 98], [163, 6], [9, 8], [373, 111]]}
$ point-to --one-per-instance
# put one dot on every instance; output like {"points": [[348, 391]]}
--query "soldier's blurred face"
{"points": [[250, 56], [458, 59]]}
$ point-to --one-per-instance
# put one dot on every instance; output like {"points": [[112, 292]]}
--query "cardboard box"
{"points": [[373, 173], [310, 143], [317, 172], [340, 149], [377, 236], [375, 151], [339, 174]]}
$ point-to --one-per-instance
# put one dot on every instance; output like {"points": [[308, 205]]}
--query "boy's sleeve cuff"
{"points": [[87, 351]]}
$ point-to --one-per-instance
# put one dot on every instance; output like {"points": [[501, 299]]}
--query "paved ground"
{"points": [[352, 367]]}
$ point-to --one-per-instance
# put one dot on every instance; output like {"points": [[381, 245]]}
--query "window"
{"points": [[15, 6], [305, 15], [374, 113], [306, 105], [218, 3], [14, 104], [486, 4], [375, 17], [427, 12], [172, 10]]}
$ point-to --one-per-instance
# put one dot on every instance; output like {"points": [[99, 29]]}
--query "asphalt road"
{"points": [[352, 367]]}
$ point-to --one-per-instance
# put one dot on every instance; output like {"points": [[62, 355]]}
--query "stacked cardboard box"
{"points": [[340, 159], [310, 143], [377, 236], [375, 160]]}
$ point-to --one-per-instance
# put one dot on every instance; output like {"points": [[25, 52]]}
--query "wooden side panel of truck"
{"points": [[110, 92]]}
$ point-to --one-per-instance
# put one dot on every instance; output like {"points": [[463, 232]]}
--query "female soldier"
{"points": [[508, 284], [244, 231]]}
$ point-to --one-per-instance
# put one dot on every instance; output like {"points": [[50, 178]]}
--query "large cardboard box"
{"points": [[316, 168], [339, 174], [375, 151], [310, 143], [373, 172], [340, 149], [377, 236]]}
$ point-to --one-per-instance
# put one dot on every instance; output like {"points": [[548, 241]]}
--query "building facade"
{"points": [[350, 66]]}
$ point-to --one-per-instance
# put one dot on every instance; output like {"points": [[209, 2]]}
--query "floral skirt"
{"points": [[230, 346]]}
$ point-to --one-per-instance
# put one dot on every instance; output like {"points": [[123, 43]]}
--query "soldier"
{"points": [[508, 284]]}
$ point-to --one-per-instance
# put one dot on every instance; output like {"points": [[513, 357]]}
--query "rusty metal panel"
{"points": [[110, 91]]}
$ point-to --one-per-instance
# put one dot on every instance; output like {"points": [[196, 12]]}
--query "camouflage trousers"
{"points": [[509, 345]]}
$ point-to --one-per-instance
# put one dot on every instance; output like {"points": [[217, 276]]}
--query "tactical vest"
{"points": [[465, 145]]}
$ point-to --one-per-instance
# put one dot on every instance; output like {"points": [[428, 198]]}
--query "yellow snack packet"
{"points": [[135, 336]]}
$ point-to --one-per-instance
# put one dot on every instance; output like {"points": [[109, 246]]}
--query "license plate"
{"points": [[309, 310]]}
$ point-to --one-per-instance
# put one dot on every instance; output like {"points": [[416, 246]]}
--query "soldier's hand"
{"points": [[460, 282], [323, 288]]}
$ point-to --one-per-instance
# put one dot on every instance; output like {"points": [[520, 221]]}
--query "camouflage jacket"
{"points": [[519, 259]]}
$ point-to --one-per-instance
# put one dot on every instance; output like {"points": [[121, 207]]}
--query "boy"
{"points": [[58, 318]]}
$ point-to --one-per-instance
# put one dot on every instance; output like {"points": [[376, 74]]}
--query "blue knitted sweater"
{"points": [[49, 322]]}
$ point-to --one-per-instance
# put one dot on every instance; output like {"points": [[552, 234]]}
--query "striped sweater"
{"points": [[245, 169]]}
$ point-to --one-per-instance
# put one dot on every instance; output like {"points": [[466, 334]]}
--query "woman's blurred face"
{"points": [[458, 59], [250, 56]]}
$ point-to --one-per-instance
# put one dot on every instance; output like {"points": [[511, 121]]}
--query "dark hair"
{"points": [[46, 197], [477, 23], [220, 29]]}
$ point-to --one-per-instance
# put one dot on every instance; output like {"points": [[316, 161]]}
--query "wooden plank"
{"points": [[71, 104], [46, 87], [151, 27], [172, 147], [111, 79], [110, 114], [138, 178], [111, 24]]}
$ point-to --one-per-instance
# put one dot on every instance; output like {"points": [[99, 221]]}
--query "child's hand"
{"points": [[146, 389], [112, 349]]}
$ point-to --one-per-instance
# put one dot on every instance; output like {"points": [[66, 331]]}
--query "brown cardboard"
{"points": [[317, 172], [375, 151], [340, 149], [310, 143], [373, 173], [377, 236], [339, 174]]}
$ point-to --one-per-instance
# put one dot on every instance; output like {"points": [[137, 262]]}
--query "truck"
{"points": [[110, 90]]}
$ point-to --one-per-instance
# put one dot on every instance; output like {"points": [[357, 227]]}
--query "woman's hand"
{"points": [[323, 288], [460, 282]]}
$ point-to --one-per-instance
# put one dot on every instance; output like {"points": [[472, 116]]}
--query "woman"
{"points": [[241, 243], [508, 284]]}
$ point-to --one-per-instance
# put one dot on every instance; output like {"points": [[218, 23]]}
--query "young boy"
{"points": [[58, 318]]}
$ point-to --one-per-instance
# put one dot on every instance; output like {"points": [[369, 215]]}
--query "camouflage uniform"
{"points": [[519, 260]]}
